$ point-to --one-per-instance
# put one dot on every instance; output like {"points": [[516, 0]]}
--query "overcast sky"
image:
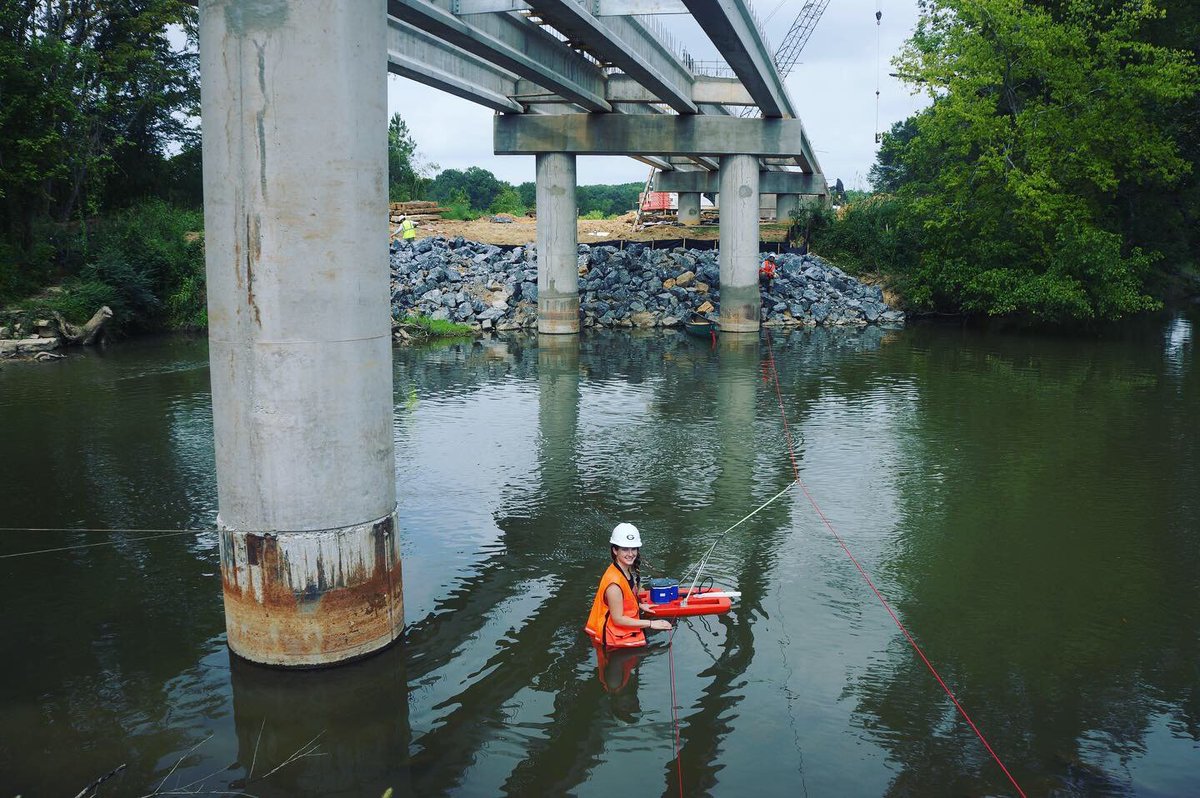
{"points": [[832, 85]]}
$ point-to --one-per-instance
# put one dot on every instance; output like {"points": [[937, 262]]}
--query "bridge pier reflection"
{"points": [[353, 721]]}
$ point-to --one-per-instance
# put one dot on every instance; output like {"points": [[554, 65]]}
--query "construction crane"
{"points": [[788, 53], [786, 56], [806, 21]]}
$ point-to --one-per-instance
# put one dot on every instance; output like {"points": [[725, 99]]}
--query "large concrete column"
{"points": [[739, 243], [557, 245], [784, 205], [689, 208], [294, 104]]}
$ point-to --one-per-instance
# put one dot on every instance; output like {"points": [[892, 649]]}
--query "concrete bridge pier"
{"points": [[784, 205], [294, 105], [557, 244], [689, 208], [738, 258]]}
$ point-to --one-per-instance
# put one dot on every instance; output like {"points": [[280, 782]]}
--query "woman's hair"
{"points": [[636, 582]]}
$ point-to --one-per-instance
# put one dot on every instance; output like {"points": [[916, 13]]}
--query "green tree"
{"points": [[508, 201], [889, 172], [479, 185], [1170, 220], [407, 178], [528, 193], [1042, 117], [608, 199], [93, 95]]}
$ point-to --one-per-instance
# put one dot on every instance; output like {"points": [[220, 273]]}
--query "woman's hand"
{"points": [[660, 625], [647, 607]]}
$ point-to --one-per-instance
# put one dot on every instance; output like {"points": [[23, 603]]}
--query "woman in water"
{"points": [[615, 621]]}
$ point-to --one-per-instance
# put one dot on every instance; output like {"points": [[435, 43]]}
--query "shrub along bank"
{"points": [[145, 263]]}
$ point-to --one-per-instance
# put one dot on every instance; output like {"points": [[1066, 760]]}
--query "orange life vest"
{"points": [[600, 626]]}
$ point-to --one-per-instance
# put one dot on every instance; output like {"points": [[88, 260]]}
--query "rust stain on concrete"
{"points": [[312, 598], [253, 255]]}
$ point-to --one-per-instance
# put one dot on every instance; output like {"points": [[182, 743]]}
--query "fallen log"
{"points": [[89, 333]]}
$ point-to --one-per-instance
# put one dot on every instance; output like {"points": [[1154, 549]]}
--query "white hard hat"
{"points": [[626, 536]]}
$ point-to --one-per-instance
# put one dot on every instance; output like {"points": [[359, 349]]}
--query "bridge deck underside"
{"points": [[561, 57]]}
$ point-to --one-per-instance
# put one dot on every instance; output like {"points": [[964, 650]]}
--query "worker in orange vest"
{"points": [[615, 619], [766, 272]]}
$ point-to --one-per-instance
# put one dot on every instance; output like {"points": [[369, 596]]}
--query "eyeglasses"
{"points": [[624, 550]]}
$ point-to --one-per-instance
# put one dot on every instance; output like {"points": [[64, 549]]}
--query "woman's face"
{"points": [[625, 556]]}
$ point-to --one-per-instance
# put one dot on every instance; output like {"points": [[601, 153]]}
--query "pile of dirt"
{"points": [[523, 230]]}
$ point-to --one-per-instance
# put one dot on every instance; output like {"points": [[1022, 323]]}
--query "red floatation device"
{"points": [[666, 602]]}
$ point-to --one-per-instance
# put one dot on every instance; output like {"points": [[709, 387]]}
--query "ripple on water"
{"points": [[1025, 504]]}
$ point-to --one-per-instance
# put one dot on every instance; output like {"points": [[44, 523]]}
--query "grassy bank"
{"points": [[416, 329]]}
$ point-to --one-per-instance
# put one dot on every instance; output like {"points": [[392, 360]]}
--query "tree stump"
{"points": [[89, 333]]}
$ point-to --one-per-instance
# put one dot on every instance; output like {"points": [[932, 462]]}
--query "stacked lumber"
{"points": [[417, 210]]}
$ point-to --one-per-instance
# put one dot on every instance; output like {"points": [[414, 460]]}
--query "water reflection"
{"points": [[1177, 343], [1037, 581], [338, 732], [1028, 504], [94, 633]]}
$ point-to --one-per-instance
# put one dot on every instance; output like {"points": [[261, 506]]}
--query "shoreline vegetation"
{"points": [[1061, 192], [416, 328], [144, 268]]}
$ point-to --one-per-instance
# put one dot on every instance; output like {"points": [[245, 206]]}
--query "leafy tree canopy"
{"points": [[407, 173], [483, 191], [93, 95], [479, 185], [1042, 115]]}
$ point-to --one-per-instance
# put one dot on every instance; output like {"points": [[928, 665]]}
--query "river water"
{"points": [[1028, 505]]}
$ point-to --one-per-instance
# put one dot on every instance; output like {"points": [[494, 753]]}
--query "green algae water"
{"points": [[1029, 505]]}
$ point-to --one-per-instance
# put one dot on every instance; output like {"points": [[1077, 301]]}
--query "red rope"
{"points": [[674, 714], [796, 469]]}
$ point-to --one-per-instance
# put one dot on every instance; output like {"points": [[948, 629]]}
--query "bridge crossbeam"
{"points": [[769, 182], [650, 134]]}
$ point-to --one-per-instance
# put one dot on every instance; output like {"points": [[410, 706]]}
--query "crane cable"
{"points": [[878, 66]]}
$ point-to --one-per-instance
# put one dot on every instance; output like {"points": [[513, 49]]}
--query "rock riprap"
{"points": [[495, 288]]}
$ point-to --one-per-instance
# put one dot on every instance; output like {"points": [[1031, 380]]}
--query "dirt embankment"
{"points": [[523, 230]]}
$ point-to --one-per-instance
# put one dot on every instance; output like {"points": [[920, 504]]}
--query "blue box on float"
{"points": [[663, 590]]}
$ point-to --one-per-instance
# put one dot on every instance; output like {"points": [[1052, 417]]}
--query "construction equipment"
{"points": [[802, 28], [788, 53], [637, 220]]}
